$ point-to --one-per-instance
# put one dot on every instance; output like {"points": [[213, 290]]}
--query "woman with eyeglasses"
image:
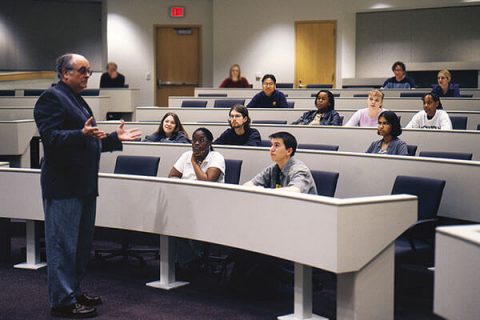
{"points": [[170, 130], [389, 128], [202, 163]]}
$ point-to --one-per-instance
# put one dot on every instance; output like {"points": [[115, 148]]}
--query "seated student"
{"points": [[202, 163], [112, 78], [170, 130], [444, 88], [400, 80], [240, 133], [325, 115], [270, 97], [432, 116], [368, 117], [235, 79], [389, 128], [287, 172]]}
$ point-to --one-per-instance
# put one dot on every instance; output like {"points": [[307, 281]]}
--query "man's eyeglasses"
{"points": [[268, 84], [83, 71]]}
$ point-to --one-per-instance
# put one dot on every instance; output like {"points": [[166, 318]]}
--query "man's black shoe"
{"points": [[74, 311], [88, 300]]}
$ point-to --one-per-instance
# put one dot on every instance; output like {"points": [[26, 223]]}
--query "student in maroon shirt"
{"points": [[235, 80]]}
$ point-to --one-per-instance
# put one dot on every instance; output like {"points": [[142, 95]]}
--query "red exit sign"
{"points": [[177, 12]]}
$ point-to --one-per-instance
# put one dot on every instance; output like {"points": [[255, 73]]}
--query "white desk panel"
{"points": [[360, 174], [457, 281], [457, 104], [351, 139], [289, 115], [332, 234]]}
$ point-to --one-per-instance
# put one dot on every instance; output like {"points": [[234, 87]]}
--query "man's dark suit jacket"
{"points": [[71, 160]]}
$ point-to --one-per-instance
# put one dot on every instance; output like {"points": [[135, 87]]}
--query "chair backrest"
{"points": [[284, 85], [412, 150], [466, 96], [313, 146], [478, 126], [319, 85], [341, 120], [336, 95], [33, 92], [447, 155], [291, 104], [280, 122], [459, 123], [90, 92], [228, 103], [7, 93], [415, 94], [233, 168], [138, 165], [360, 95], [326, 182], [213, 95], [429, 192], [265, 143], [194, 103]]}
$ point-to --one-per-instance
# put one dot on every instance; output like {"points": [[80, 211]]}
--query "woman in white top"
{"points": [[202, 163], [432, 116], [368, 117]]}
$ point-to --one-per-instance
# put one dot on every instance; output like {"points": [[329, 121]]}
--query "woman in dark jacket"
{"points": [[170, 130], [325, 115]]}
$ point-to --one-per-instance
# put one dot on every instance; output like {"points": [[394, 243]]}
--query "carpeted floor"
{"points": [[122, 287]]}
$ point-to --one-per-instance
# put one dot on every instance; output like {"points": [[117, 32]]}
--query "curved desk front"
{"points": [[332, 234]]}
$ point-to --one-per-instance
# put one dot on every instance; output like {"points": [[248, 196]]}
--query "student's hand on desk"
{"points": [[127, 135], [90, 131]]}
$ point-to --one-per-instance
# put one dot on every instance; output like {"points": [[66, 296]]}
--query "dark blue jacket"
{"points": [[453, 90], [261, 100], [330, 118], [71, 160]]}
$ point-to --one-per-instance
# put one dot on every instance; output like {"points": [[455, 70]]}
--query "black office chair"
{"points": [[429, 192], [90, 92], [215, 258], [136, 165], [33, 92], [326, 182], [228, 103], [412, 150], [194, 104], [459, 123], [278, 122], [313, 146], [233, 168], [284, 85], [319, 86], [466, 96], [7, 93], [213, 95], [446, 155], [265, 143], [291, 104], [415, 94], [360, 95], [478, 126]]}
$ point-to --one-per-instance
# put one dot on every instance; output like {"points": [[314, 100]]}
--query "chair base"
{"points": [[125, 253]]}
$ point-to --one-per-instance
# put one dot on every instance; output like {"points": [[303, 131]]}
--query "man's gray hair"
{"points": [[64, 63]]}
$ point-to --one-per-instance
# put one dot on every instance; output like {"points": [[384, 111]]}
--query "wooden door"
{"points": [[315, 52], [178, 63]]}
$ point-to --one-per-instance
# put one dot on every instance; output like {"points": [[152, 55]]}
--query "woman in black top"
{"points": [[325, 115], [170, 130]]}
